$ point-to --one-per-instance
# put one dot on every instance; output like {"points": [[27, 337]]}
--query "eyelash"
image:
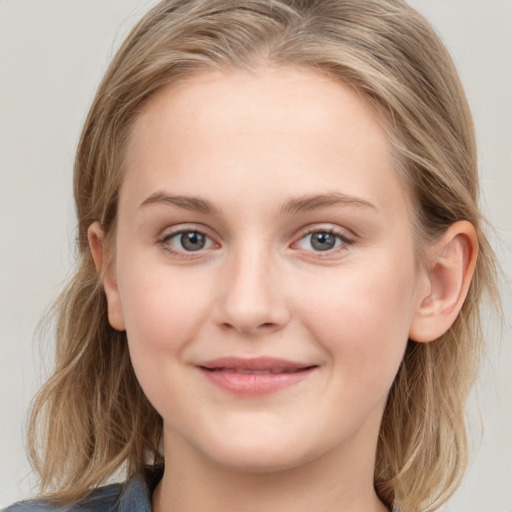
{"points": [[345, 242], [164, 243]]}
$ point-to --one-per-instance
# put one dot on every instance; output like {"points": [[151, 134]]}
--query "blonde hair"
{"points": [[91, 418]]}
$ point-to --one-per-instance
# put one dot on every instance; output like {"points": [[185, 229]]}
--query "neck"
{"points": [[193, 483]]}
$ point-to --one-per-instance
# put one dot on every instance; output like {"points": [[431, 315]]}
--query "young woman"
{"points": [[276, 304]]}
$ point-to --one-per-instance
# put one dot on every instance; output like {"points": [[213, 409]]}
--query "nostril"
{"points": [[266, 326]]}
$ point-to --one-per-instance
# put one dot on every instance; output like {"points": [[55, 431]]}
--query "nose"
{"points": [[252, 299]]}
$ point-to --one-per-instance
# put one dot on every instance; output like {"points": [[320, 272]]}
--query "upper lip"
{"points": [[254, 363]]}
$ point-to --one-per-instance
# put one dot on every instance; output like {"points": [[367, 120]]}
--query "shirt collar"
{"points": [[137, 492]]}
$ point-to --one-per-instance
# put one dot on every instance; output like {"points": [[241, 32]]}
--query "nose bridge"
{"points": [[253, 298]]}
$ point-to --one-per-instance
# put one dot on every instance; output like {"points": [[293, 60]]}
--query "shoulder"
{"points": [[132, 496], [104, 499]]}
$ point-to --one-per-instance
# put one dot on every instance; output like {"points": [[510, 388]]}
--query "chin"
{"points": [[253, 461], [257, 453]]}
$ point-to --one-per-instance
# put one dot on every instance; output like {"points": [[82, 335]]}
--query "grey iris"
{"points": [[192, 241], [323, 241]]}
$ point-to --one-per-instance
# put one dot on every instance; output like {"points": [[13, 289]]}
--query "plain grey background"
{"points": [[52, 55]]}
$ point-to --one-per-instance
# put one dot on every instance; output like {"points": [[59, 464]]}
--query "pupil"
{"points": [[323, 241], [192, 241]]}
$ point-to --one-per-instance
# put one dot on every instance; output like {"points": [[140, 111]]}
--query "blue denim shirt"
{"points": [[132, 496]]}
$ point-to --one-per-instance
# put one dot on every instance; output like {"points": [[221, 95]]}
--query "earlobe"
{"points": [[451, 267], [105, 269]]}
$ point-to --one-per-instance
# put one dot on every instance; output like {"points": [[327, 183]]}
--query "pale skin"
{"points": [[249, 166]]}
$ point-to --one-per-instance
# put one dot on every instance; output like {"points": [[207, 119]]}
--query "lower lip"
{"points": [[255, 384]]}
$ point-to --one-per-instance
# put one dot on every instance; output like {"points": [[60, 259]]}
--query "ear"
{"points": [[105, 269], [450, 269]]}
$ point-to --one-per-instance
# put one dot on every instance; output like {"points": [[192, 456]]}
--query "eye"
{"points": [[322, 241], [186, 241]]}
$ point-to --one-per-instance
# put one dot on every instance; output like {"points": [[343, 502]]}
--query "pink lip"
{"points": [[254, 376]]}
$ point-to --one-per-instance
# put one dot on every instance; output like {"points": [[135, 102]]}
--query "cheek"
{"points": [[161, 321], [160, 303], [163, 311], [362, 319]]}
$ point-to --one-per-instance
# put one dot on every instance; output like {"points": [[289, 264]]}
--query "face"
{"points": [[264, 268]]}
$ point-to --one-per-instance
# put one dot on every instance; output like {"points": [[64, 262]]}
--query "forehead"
{"points": [[279, 125], [286, 99]]}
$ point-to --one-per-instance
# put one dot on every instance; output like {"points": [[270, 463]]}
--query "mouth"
{"points": [[271, 371], [254, 376]]}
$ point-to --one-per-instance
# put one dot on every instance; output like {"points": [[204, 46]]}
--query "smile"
{"points": [[272, 371], [255, 376]]}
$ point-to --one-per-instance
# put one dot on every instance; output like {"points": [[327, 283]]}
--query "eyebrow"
{"points": [[292, 205], [315, 202], [185, 202]]}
